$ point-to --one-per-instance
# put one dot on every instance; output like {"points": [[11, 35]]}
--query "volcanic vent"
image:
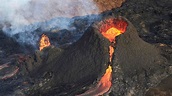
{"points": [[79, 67], [109, 28], [110, 58], [44, 42]]}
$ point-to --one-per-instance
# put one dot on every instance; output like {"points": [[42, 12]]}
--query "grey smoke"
{"points": [[24, 16]]}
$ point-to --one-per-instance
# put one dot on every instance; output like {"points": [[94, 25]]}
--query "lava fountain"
{"points": [[44, 42]]}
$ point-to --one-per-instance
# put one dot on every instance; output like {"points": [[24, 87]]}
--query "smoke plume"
{"points": [[25, 16]]}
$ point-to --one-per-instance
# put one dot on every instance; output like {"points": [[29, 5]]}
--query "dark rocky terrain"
{"points": [[153, 22]]}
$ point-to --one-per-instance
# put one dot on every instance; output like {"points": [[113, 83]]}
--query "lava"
{"points": [[44, 42], [111, 51], [112, 28], [111, 33], [105, 81], [5, 74], [109, 29], [102, 87], [10, 74], [4, 66]]}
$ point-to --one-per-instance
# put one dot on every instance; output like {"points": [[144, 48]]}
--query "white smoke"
{"points": [[8, 11], [19, 16], [39, 10]]}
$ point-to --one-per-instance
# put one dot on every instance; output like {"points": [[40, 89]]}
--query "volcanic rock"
{"points": [[164, 88], [134, 54], [5, 42], [151, 18], [137, 65], [80, 64]]}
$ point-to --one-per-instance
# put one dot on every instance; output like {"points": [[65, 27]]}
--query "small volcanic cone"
{"points": [[116, 27], [110, 28]]}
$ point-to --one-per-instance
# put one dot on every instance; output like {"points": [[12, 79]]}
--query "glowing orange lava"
{"points": [[109, 29], [105, 81], [111, 51], [102, 87], [111, 33], [113, 28], [44, 42]]}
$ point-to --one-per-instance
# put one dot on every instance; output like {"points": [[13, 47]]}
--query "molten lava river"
{"points": [[110, 29]]}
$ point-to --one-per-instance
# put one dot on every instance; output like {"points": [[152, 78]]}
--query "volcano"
{"points": [[112, 56], [81, 64], [107, 58]]}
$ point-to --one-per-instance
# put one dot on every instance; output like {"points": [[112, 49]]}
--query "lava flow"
{"points": [[44, 42], [7, 71], [109, 29]]}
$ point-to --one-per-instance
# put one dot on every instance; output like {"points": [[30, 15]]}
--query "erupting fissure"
{"points": [[109, 29], [44, 42]]}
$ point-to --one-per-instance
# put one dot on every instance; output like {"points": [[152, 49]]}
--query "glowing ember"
{"points": [[44, 42]]}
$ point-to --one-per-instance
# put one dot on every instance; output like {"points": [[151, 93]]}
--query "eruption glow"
{"points": [[109, 29], [44, 42]]}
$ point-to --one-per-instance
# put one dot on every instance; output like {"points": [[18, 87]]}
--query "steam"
{"points": [[23, 17], [8, 11]]}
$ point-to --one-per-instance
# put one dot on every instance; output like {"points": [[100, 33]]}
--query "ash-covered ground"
{"points": [[152, 19]]}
